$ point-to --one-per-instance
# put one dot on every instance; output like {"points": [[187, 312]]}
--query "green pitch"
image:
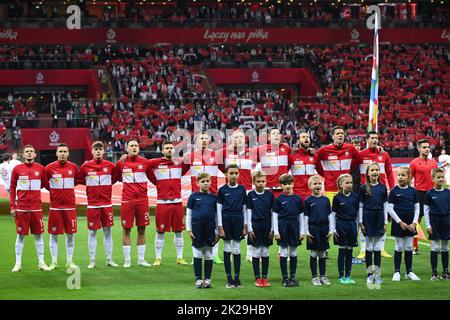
{"points": [[171, 281]]}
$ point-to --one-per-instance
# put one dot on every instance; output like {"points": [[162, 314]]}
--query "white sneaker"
{"points": [[91, 264], [42, 266], [316, 281], [72, 265], [53, 266], [17, 268], [412, 276], [371, 279], [396, 276], [127, 264], [325, 281], [111, 263], [144, 263]]}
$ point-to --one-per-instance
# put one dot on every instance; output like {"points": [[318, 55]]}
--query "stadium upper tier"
{"points": [[156, 90], [206, 14]]}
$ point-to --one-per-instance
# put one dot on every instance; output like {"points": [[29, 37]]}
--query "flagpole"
{"points": [[373, 105]]}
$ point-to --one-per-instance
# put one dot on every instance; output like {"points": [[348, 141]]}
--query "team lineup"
{"points": [[272, 191]]}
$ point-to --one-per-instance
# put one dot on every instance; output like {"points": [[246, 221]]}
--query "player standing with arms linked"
{"points": [[63, 215], [134, 172], [166, 173], [98, 177], [27, 179]]}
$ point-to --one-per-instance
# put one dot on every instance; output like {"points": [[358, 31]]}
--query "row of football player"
{"points": [[99, 175], [323, 207]]}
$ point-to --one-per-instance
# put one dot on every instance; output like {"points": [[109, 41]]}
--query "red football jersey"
{"points": [[166, 176], [274, 162], [244, 159], [134, 172], [98, 177], [199, 162], [332, 161], [302, 166], [26, 183], [421, 173], [371, 156], [61, 178]]}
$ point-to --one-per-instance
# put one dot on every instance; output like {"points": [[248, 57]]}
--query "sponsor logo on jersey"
{"points": [[312, 204], [433, 197], [284, 202], [227, 194], [342, 203]]}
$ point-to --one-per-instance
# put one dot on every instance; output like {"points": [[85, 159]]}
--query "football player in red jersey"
{"points": [[98, 176], [134, 171], [166, 173], [27, 179], [62, 216], [204, 160]]}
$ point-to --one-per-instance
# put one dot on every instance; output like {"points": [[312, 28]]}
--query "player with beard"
{"points": [[166, 176], [302, 166]]}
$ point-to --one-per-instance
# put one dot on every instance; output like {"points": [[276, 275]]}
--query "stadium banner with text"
{"points": [[299, 76], [72, 77], [49, 138], [63, 36]]}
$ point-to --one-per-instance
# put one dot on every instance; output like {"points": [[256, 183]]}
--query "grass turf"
{"points": [[171, 281]]}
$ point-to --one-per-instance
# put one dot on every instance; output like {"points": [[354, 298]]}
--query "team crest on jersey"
{"points": [[70, 172], [380, 158], [140, 166], [36, 173], [311, 159], [105, 169], [346, 153]]}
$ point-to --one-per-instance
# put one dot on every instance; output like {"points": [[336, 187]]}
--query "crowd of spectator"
{"points": [[158, 90], [225, 14]]}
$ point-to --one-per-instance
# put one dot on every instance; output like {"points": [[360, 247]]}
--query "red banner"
{"points": [[302, 77], [62, 36], [72, 77], [48, 139]]}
